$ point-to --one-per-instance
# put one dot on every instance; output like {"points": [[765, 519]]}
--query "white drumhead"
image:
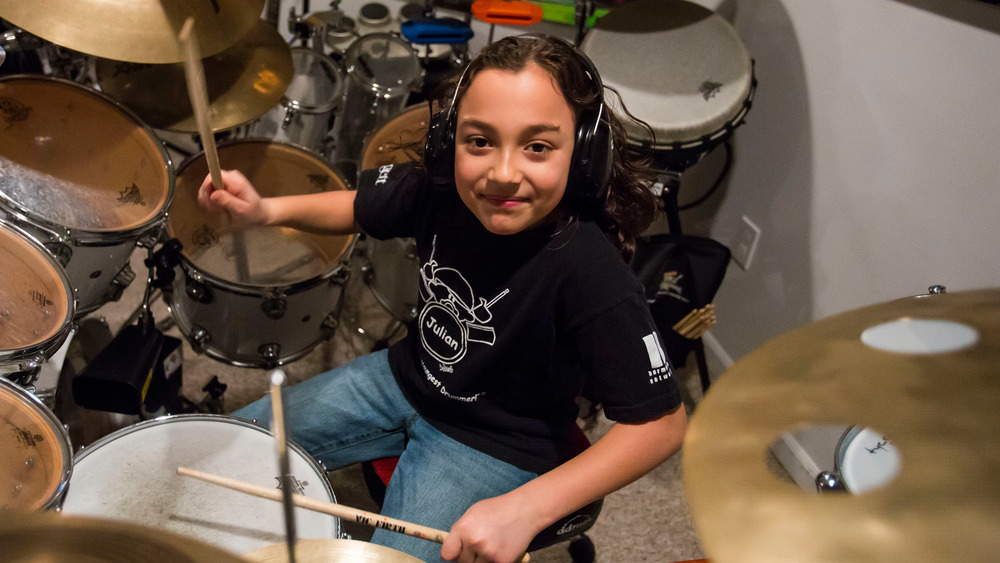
{"points": [[678, 66], [866, 460], [132, 475]]}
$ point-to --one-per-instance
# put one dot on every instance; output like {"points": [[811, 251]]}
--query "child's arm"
{"points": [[500, 528], [330, 213]]}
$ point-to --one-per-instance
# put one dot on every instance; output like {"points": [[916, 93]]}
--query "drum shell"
{"points": [[19, 249], [374, 92], [37, 446], [309, 105], [239, 322], [93, 249], [131, 474]]}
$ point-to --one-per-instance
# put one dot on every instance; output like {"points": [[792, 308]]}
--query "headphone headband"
{"points": [[590, 167]]}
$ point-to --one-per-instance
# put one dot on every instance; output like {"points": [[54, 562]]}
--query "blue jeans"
{"points": [[355, 413]]}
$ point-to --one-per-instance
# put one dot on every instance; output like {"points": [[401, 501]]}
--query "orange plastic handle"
{"points": [[507, 12]]}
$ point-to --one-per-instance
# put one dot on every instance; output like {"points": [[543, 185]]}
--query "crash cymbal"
{"points": [[52, 536], [142, 31], [316, 551], [244, 82], [940, 408]]}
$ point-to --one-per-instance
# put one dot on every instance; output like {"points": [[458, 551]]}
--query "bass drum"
{"points": [[37, 305], [105, 188], [36, 459], [392, 271], [131, 475], [263, 296]]}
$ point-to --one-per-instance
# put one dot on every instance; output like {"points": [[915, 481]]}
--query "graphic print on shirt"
{"points": [[660, 369], [452, 317]]}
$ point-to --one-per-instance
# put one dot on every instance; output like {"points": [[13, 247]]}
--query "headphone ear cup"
{"points": [[439, 150], [590, 169]]}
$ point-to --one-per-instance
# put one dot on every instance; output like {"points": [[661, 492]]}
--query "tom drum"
{"points": [[84, 176], [263, 296]]}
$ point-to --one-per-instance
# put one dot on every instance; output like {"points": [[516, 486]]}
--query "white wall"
{"points": [[869, 160]]}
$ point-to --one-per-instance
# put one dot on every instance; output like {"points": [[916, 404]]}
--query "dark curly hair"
{"points": [[630, 205]]}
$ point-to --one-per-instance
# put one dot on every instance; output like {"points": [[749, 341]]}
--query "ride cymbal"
{"points": [[52, 536], [141, 31], [941, 411], [243, 82], [316, 551]]}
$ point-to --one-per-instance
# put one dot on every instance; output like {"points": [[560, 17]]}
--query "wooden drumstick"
{"points": [[281, 444], [338, 510], [198, 92]]}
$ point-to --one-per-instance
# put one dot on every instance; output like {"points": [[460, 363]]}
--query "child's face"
{"points": [[514, 142]]}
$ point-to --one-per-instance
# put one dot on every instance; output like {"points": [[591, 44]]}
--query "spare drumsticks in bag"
{"points": [[695, 323]]}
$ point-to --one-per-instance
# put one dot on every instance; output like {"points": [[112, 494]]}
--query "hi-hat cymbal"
{"points": [[243, 82], [51, 536], [941, 411], [317, 551], [141, 31]]}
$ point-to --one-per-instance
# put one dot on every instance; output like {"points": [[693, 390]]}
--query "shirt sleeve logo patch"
{"points": [[658, 363]]}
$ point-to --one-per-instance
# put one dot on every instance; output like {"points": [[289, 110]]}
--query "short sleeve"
{"points": [[389, 200], [622, 353]]}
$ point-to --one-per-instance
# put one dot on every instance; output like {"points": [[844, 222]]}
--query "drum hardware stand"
{"points": [[212, 403]]}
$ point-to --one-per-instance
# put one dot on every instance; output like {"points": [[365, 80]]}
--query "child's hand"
{"points": [[494, 530], [238, 199]]}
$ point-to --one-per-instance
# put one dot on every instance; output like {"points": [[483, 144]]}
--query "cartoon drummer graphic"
{"points": [[452, 316]]}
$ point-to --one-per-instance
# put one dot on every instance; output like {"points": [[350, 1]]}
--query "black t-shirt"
{"points": [[511, 325]]}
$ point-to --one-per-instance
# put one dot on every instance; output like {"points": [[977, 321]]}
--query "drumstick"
{"points": [[198, 92], [281, 444], [338, 510]]}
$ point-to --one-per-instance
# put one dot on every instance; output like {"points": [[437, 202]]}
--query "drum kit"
{"points": [[87, 175]]}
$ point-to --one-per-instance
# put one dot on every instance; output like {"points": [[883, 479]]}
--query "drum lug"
{"points": [[198, 291], [274, 307], [199, 338], [341, 276], [290, 111], [269, 353], [330, 324], [61, 251], [121, 281]]}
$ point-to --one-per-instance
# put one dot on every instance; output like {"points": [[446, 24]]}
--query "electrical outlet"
{"points": [[747, 236]]}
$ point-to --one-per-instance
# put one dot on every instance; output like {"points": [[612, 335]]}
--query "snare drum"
{"points": [[307, 108], [35, 455], [131, 475], [84, 176], [382, 71], [393, 268], [36, 304], [866, 460], [289, 298], [679, 67]]}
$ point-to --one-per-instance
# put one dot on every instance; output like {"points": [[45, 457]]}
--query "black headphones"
{"points": [[590, 167]]}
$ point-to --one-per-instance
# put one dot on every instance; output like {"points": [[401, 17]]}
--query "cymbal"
{"points": [[941, 411], [316, 551], [243, 82], [142, 31], [52, 536]]}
